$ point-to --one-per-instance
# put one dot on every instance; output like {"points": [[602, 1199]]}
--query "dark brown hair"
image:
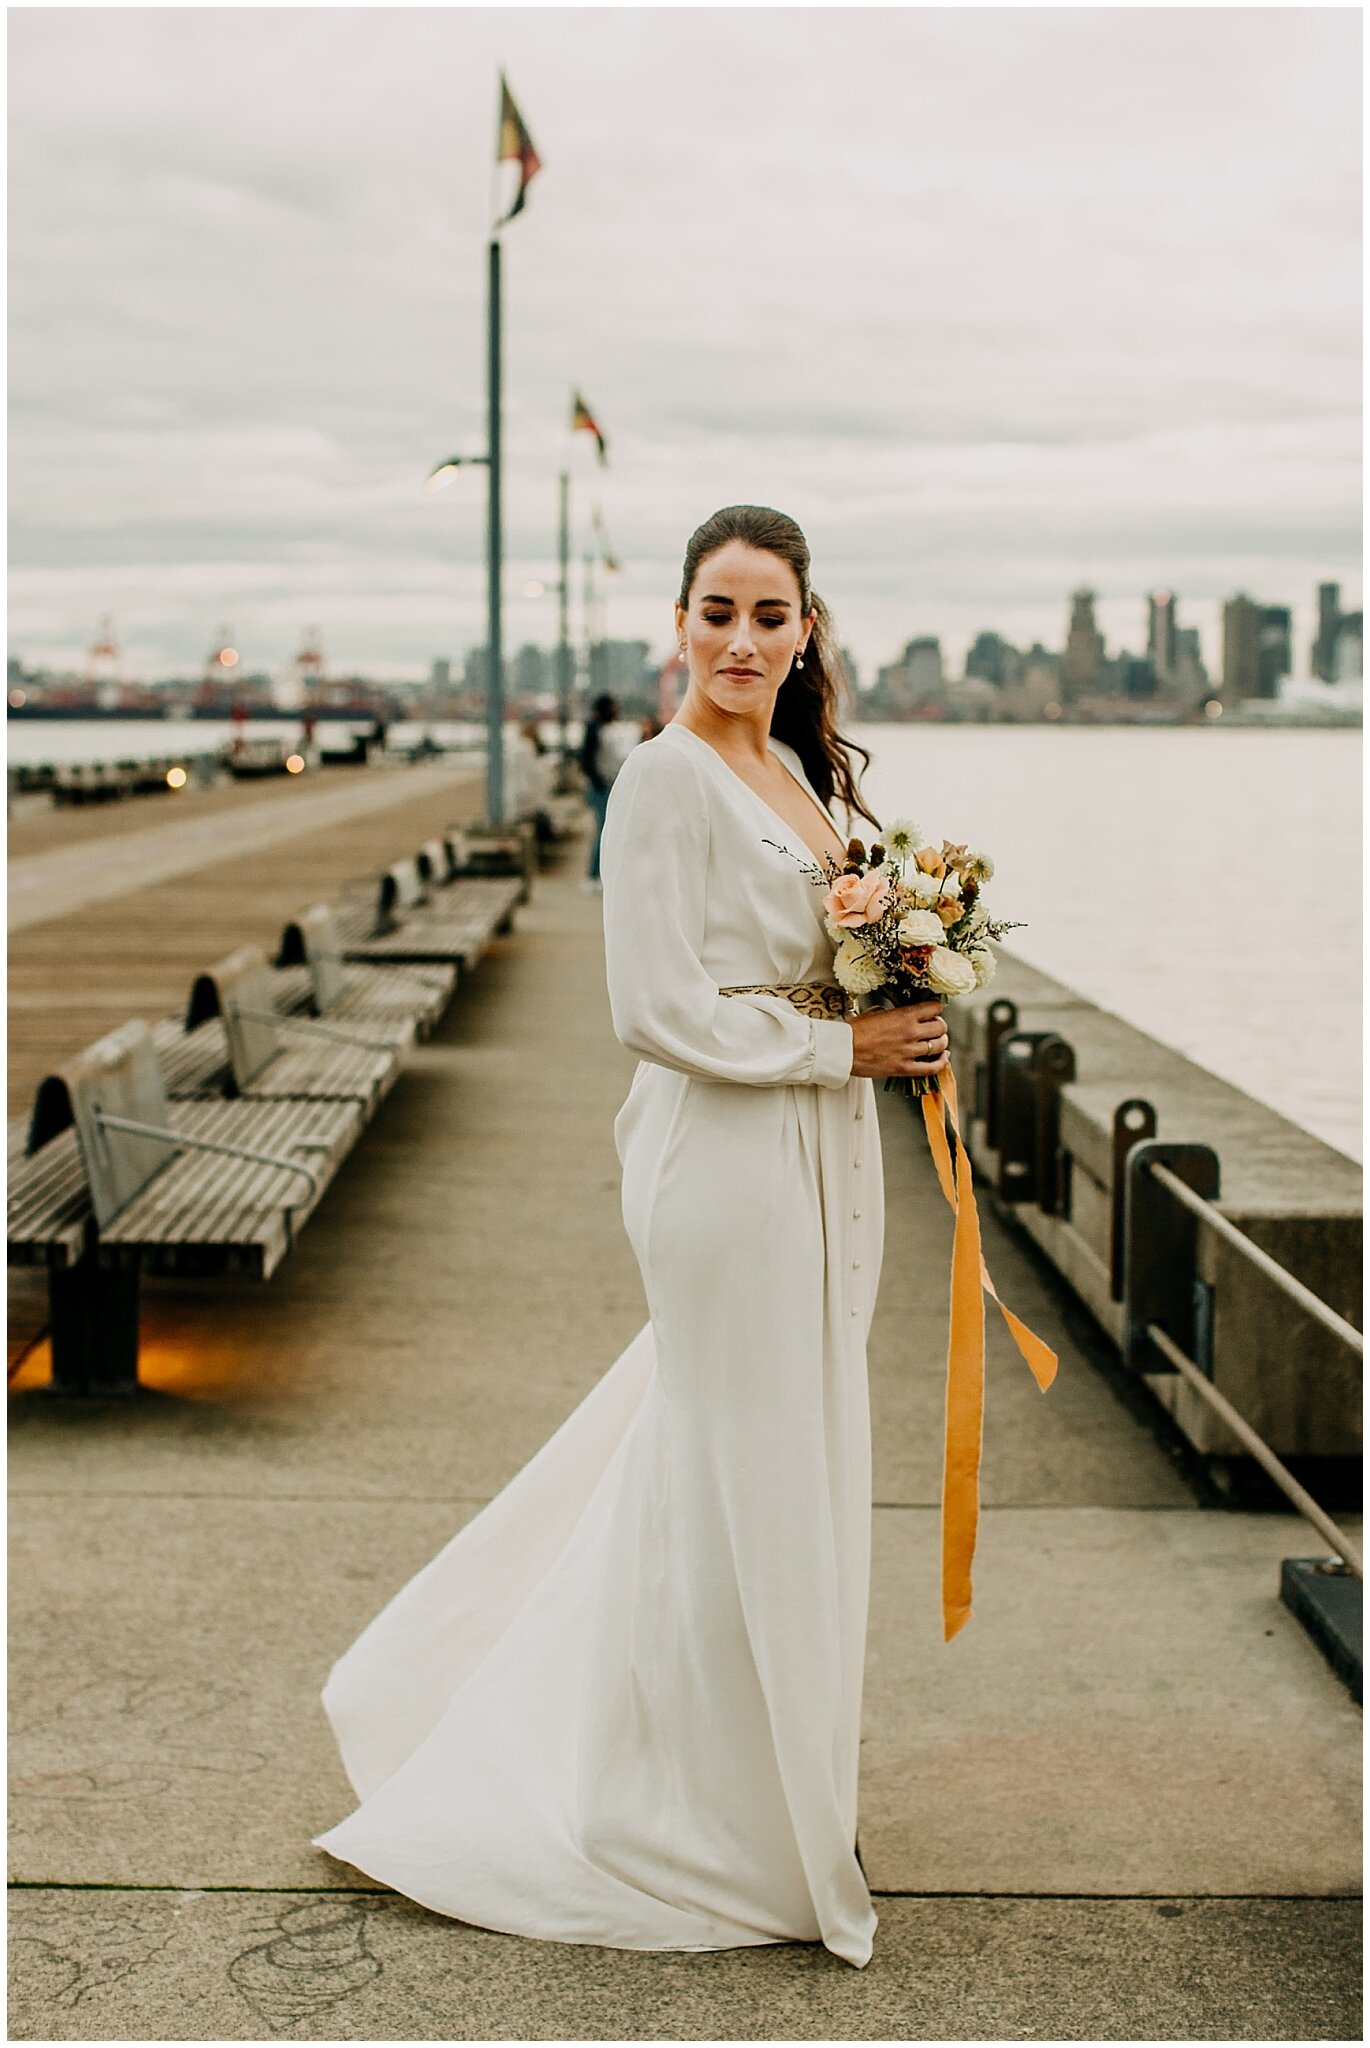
{"points": [[810, 698]]}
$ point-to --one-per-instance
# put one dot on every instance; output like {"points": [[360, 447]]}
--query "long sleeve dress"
{"points": [[622, 1706]]}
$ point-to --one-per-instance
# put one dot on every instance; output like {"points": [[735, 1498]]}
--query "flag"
{"points": [[581, 416], [515, 142], [608, 556]]}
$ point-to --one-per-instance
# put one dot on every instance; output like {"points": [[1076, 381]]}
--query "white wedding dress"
{"points": [[622, 1705]]}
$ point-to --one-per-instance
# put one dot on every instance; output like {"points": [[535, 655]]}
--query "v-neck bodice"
{"points": [[789, 759], [753, 886]]}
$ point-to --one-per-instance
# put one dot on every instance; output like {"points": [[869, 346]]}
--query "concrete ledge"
{"points": [[1329, 1604], [1297, 1198]]}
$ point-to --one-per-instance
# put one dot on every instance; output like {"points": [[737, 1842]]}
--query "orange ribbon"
{"points": [[970, 1282]]}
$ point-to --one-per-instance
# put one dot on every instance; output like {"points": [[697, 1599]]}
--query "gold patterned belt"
{"points": [[814, 998]]}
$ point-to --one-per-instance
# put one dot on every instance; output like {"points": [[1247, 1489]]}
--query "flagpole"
{"points": [[588, 608], [564, 603], [494, 650]]}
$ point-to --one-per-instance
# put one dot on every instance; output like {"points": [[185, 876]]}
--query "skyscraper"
{"points": [[1241, 649], [1082, 665], [1349, 649], [993, 659], [1322, 655], [1277, 647], [1161, 642], [531, 677]]}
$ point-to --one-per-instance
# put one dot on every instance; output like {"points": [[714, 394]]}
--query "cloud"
{"points": [[994, 300]]}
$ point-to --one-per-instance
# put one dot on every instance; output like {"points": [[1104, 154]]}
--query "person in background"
{"points": [[651, 725], [532, 768], [600, 762]]}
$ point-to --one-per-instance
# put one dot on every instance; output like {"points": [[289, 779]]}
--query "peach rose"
{"points": [[929, 861], [857, 899]]}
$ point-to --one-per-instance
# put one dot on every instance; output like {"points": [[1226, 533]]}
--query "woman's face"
{"points": [[742, 628]]}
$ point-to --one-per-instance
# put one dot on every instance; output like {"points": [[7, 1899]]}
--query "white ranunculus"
{"points": [[950, 974], [856, 967], [926, 888], [920, 928], [984, 963]]}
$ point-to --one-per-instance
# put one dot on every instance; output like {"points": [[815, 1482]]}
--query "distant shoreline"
{"points": [[1241, 719]]}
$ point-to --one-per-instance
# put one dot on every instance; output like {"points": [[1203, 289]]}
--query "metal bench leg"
{"points": [[94, 1319]]}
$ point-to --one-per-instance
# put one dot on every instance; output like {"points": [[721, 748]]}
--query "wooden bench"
{"points": [[484, 851], [235, 1040], [567, 813], [370, 996], [117, 1180], [405, 920]]}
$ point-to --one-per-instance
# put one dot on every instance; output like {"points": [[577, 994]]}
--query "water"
{"points": [[1204, 885], [36, 742]]}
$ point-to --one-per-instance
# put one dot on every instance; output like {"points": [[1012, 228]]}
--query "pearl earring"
{"points": [[798, 659]]}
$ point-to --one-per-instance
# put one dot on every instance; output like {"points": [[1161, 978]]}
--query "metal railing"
{"points": [[1312, 1304], [1152, 1264], [1300, 1498], [1201, 1209]]}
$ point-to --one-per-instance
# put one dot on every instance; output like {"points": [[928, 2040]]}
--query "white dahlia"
{"points": [[902, 838], [984, 963], [920, 928], [950, 974], [856, 967]]}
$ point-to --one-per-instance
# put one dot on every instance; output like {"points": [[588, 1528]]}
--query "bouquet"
{"points": [[910, 922]]}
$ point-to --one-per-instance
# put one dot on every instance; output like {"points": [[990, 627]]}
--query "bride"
{"points": [[622, 1705]]}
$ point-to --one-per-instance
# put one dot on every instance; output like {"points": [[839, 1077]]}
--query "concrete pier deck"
{"points": [[113, 911], [1120, 1805]]}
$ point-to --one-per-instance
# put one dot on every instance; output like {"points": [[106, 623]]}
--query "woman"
{"points": [[622, 1706], [599, 763]]}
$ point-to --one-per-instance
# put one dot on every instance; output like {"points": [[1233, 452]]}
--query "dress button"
{"points": [[856, 1311], [856, 1265], [859, 1114], [856, 1215], [856, 1162]]}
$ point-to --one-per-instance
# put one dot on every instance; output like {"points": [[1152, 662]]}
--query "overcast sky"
{"points": [[996, 302]]}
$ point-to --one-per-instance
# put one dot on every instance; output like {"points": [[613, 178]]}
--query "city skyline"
{"points": [[1029, 300], [1299, 623]]}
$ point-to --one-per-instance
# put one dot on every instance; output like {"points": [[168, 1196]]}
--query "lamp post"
{"points": [[437, 480], [564, 609]]}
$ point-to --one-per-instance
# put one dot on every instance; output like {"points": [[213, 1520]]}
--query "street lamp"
{"points": [[439, 478]]}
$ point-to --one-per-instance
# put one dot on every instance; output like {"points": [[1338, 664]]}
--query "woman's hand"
{"points": [[910, 1039]]}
